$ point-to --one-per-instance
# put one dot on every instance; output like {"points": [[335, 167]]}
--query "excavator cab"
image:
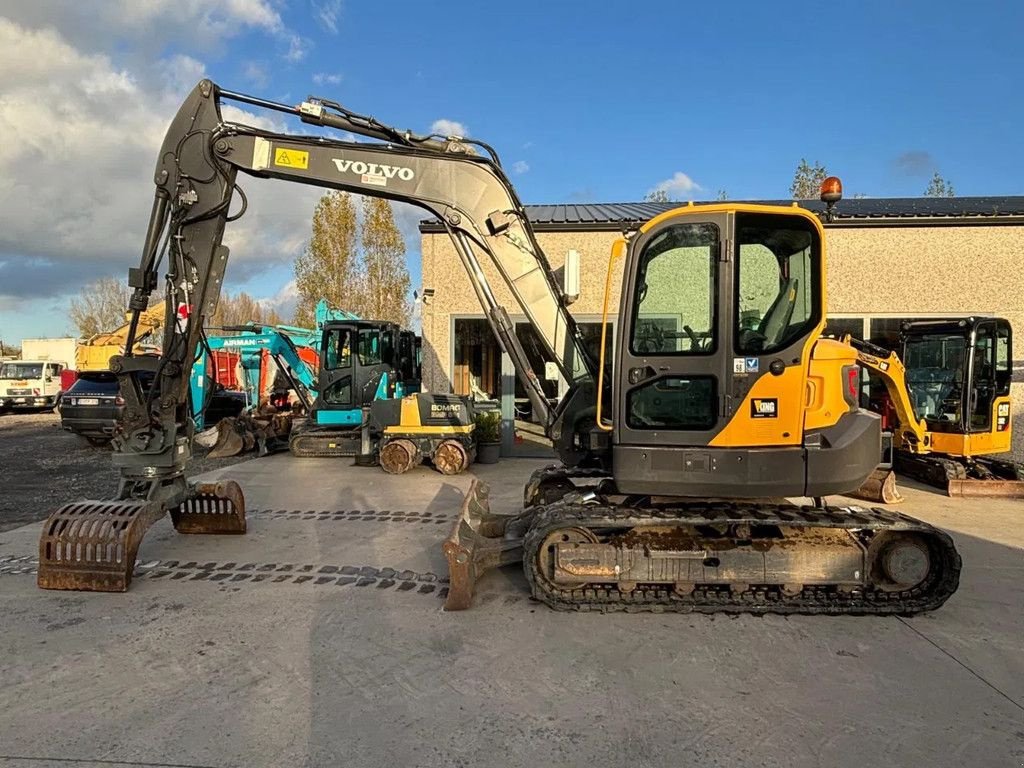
{"points": [[357, 366], [722, 307], [958, 374]]}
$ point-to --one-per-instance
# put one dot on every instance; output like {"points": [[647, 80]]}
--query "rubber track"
{"points": [[813, 600], [310, 445]]}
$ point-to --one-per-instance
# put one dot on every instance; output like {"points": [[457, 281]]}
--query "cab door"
{"points": [[674, 334], [335, 401]]}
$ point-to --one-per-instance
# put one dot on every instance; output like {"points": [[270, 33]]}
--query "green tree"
{"points": [[657, 196], [240, 309], [807, 180], [722, 196], [385, 279], [101, 307], [939, 187], [329, 267]]}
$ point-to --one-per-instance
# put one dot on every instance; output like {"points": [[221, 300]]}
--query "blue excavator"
{"points": [[364, 400]]}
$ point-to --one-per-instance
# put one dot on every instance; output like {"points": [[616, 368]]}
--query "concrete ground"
{"points": [[303, 643]]}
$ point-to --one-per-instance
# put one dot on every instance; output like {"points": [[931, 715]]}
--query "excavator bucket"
{"points": [[91, 545], [476, 543], [987, 488], [880, 488], [230, 439], [215, 508]]}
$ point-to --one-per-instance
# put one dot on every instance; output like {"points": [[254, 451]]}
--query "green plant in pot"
{"points": [[488, 436]]}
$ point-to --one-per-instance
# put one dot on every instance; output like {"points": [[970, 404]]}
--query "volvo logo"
{"points": [[374, 173]]}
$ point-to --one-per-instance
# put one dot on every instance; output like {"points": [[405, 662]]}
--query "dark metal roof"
{"points": [[852, 212]]}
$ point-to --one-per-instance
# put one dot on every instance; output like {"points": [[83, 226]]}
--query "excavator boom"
{"points": [[196, 187]]}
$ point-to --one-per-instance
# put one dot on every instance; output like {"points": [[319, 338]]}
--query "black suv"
{"points": [[92, 406]]}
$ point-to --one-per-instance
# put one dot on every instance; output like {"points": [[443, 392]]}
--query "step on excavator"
{"points": [[676, 458]]}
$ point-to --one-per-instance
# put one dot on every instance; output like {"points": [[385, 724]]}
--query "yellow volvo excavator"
{"points": [[722, 397]]}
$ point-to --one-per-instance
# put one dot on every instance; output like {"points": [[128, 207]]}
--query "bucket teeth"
{"points": [[215, 508], [91, 545]]}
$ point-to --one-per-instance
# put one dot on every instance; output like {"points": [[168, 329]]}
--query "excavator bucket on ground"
{"points": [[478, 541], [880, 488], [230, 441], [976, 477], [264, 431], [215, 508], [92, 545]]}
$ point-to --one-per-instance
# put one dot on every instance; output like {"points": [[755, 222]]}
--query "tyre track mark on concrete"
{"points": [[235, 573]]}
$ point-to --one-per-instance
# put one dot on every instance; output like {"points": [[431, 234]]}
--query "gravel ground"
{"points": [[42, 467]]}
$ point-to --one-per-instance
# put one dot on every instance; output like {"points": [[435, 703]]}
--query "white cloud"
{"points": [[447, 128], [180, 73], [298, 47], [327, 13], [520, 166], [325, 78], [255, 73], [679, 184], [81, 136], [147, 26]]}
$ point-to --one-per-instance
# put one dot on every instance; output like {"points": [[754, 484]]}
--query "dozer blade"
{"points": [[880, 488], [91, 545], [215, 508], [476, 543], [230, 441], [990, 488]]}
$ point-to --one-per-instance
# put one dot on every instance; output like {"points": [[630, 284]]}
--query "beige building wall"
{"points": [[878, 270]]}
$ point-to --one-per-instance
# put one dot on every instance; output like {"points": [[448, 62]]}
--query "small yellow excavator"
{"points": [[722, 400], [947, 394]]}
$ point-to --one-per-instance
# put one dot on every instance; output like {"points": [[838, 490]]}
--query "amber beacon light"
{"points": [[831, 190]]}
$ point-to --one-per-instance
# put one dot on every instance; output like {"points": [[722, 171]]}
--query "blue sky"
{"points": [[584, 101]]}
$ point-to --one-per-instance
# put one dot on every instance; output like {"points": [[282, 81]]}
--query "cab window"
{"points": [[369, 346], [777, 263], [337, 349]]}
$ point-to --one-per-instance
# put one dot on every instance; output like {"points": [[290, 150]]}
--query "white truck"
{"points": [[34, 381]]}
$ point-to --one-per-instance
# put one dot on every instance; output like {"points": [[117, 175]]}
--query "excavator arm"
{"points": [[912, 434], [458, 181], [196, 183], [257, 339]]}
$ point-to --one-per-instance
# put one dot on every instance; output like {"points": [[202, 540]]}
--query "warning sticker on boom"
{"points": [[291, 158]]}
